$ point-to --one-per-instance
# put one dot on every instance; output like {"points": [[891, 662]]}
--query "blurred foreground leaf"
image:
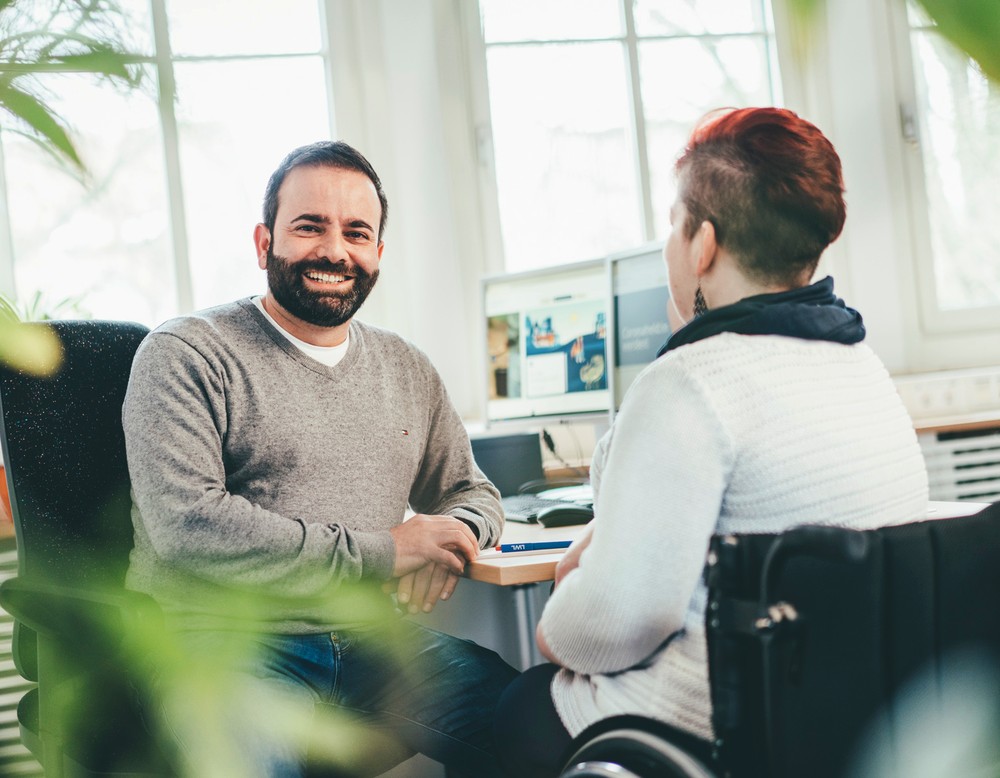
{"points": [[34, 349], [802, 16], [805, 9], [973, 26], [201, 694]]}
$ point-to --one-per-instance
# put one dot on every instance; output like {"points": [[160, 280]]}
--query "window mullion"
{"points": [[8, 284], [767, 25], [171, 147], [638, 123], [327, 20]]}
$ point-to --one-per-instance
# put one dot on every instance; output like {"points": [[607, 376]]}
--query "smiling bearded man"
{"points": [[275, 445], [322, 308]]}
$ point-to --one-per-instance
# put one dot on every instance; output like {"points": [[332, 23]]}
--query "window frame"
{"points": [[770, 10], [935, 323], [906, 328], [161, 62]]}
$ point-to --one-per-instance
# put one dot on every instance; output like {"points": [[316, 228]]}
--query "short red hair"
{"points": [[770, 183]]}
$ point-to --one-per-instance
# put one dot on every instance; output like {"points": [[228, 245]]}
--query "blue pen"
{"points": [[551, 545]]}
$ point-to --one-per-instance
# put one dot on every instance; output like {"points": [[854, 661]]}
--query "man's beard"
{"points": [[322, 309]]}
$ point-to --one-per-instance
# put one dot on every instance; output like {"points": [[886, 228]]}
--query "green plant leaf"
{"points": [[40, 308], [46, 127], [802, 18], [973, 26], [104, 62], [804, 9], [59, 36], [8, 311], [35, 349]]}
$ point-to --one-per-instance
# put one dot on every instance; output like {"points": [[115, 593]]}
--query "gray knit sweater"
{"points": [[257, 470]]}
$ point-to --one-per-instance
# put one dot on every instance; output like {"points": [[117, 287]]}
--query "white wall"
{"points": [[861, 119], [403, 98]]}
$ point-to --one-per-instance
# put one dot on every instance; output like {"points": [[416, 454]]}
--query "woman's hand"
{"points": [[571, 559]]}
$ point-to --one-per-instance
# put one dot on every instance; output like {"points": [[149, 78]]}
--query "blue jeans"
{"points": [[359, 701]]}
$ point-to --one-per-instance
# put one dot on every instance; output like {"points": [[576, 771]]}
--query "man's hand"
{"points": [[442, 540], [422, 589]]}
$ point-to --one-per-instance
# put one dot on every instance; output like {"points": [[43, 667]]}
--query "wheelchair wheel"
{"points": [[632, 753]]}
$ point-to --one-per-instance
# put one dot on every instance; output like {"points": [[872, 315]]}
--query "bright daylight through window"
{"points": [[175, 184], [959, 138], [591, 101]]}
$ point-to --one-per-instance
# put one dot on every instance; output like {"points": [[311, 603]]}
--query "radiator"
{"points": [[963, 465]]}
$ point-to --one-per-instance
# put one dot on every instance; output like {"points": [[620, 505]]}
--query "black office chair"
{"points": [[839, 653], [63, 448]]}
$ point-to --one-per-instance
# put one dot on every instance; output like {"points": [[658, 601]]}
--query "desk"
{"points": [[521, 571], [952, 510]]}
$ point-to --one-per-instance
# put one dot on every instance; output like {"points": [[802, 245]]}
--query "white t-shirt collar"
{"points": [[327, 355]]}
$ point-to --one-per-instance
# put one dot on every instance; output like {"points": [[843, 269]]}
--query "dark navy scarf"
{"points": [[812, 312]]}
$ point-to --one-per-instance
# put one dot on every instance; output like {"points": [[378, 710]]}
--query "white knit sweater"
{"points": [[733, 433]]}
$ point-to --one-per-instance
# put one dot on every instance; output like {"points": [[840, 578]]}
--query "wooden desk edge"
{"points": [[965, 423], [503, 572]]}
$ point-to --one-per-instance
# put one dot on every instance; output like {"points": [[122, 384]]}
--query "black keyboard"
{"points": [[525, 507]]}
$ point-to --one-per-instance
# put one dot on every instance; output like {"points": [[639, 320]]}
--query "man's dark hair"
{"points": [[327, 153]]}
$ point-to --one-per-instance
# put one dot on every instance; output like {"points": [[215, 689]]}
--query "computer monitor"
{"points": [[546, 343], [640, 295], [509, 461]]}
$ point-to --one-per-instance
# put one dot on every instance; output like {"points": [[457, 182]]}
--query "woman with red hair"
{"points": [[763, 411]]}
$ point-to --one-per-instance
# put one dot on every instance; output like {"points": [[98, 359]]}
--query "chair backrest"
{"points": [[64, 452], [830, 648]]}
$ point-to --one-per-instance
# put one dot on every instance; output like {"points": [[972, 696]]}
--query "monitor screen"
{"points": [[640, 296], [509, 461], [546, 347]]}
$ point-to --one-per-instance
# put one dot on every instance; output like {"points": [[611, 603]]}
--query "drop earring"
{"points": [[700, 306]]}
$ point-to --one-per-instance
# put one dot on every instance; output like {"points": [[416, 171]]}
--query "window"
{"points": [[952, 125], [591, 101], [177, 169]]}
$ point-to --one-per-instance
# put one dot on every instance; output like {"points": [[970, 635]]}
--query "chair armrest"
{"points": [[71, 613], [835, 544]]}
